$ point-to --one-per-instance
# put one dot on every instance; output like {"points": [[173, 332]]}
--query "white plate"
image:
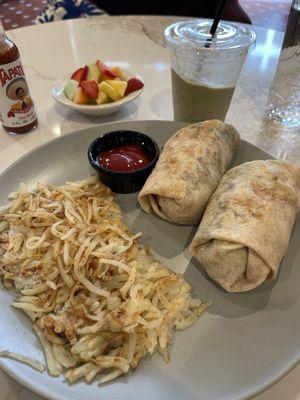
{"points": [[241, 345], [57, 92]]}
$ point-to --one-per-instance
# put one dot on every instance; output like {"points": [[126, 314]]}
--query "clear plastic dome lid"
{"points": [[195, 33]]}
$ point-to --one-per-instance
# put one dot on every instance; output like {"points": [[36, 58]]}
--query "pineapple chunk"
{"points": [[119, 72], [119, 86], [102, 97], [109, 90]]}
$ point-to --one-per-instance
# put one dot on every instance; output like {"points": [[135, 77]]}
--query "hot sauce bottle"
{"points": [[17, 112]]}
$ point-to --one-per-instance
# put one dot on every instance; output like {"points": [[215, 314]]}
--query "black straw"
{"points": [[218, 16], [216, 21]]}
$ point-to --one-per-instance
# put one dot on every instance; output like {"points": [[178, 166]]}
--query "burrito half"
{"points": [[188, 171], [246, 227]]}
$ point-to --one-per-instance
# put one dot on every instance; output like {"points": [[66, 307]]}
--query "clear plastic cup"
{"points": [[205, 69]]}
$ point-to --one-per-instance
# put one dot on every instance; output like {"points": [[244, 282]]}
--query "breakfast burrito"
{"points": [[188, 171], [247, 224]]}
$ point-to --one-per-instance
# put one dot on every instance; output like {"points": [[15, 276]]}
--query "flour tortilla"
{"points": [[246, 227], [188, 171]]}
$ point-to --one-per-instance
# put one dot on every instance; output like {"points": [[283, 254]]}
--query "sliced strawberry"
{"points": [[77, 74], [80, 74], [109, 74], [133, 84], [90, 88], [84, 73], [105, 70], [101, 66]]}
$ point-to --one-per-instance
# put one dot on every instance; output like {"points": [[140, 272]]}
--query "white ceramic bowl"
{"points": [[57, 93]]}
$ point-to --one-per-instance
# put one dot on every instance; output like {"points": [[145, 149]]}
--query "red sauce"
{"points": [[126, 158]]}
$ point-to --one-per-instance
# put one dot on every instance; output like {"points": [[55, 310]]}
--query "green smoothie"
{"points": [[194, 102]]}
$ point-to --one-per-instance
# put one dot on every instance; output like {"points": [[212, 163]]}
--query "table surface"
{"points": [[136, 43]]}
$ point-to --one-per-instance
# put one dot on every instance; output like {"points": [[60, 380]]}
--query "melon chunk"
{"points": [[94, 72], [70, 89], [80, 97]]}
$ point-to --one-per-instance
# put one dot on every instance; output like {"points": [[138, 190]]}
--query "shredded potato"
{"points": [[98, 300], [24, 359]]}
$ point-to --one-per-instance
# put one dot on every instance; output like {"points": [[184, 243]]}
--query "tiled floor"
{"points": [[16, 13], [266, 13]]}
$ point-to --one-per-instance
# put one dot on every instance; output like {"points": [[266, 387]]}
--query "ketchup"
{"points": [[127, 158], [17, 112]]}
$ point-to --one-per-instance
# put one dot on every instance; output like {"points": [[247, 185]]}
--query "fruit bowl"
{"points": [[57, 93], [97, 89]]}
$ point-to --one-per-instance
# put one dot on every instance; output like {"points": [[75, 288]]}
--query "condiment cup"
{"points": [[119, 181]]}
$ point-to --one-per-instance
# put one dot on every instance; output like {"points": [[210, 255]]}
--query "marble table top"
{"points": [[136, 43]]}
